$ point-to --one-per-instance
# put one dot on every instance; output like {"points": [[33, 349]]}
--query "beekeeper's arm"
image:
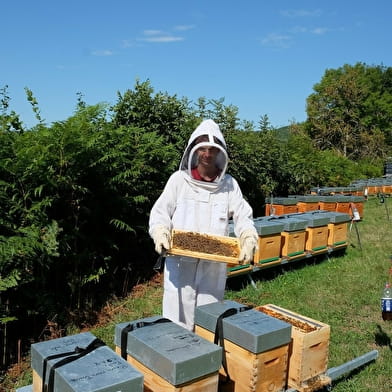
{"points": [[244, 228], [160, 223]]}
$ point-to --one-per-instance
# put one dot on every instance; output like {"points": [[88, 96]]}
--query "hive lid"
{"points": [[313, 218], [285, 201], [289, 224], [171, 351], [249, 329], [100, 370], [265, 227], [336, 217]]}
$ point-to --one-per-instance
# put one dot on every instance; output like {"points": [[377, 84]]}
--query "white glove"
{"points": [[248, 245], [161, 237]]}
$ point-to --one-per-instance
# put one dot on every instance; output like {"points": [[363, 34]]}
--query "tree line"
{"points": [[75, 195]]}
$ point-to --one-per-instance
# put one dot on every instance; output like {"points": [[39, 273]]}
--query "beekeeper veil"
{"points": [[207, 134]]}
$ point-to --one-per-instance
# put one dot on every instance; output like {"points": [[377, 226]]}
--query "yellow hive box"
{"points": [[293, 243], [316, 239], [337, 234], [308, 358]]}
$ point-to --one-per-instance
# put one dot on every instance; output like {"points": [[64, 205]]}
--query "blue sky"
{"points": [[262, 56]]}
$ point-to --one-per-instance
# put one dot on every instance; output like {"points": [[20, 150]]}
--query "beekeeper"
{"points": [[199, 197]]}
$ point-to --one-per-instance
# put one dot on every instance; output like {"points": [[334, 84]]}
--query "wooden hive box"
{"points": [[337, 229], [203, 246], [308, 203], [171, 358], [281, 206], [356, 202], [387, 189], [100, 370], [293, 237], [309, 350], [269, 242], [316, 239], [343, 204], [255, 348], [327, 203]]}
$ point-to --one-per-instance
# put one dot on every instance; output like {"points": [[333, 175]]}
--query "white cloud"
{"points": [[184, 27], [159, 36], [301, 13], [277, 40], [104, 52]]}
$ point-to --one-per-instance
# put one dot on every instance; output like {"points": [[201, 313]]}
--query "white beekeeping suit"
{"points": [[204, 207]]}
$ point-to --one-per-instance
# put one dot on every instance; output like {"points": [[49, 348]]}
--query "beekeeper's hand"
{"points": [[161, 237], [248, 245]]}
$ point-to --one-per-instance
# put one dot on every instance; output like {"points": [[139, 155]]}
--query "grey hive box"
{"points": [[171, 351], [248, 329], [100, 370]]}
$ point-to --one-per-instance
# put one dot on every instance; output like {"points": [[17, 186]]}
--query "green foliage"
{"points": [[351, 111], [75, 196]]}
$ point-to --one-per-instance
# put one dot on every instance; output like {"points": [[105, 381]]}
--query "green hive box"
{"points": [[100, 370], [249, 329], [171, 351]]}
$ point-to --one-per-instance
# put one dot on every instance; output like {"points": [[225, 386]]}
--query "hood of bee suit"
{"points": [[214, 138]]}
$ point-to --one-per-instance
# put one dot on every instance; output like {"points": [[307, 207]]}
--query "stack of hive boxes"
{"points": [[255, 345], [234, 348]]}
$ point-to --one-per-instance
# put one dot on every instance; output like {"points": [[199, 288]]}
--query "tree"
{"points": [[351, 109]]}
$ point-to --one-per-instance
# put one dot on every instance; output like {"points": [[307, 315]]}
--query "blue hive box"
{"points": [[99, 370], [172, 352]]}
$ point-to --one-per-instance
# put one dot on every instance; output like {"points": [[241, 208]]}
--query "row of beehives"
{"points": [[289, 237], [234, 348], [371, 186], [334, 203]]}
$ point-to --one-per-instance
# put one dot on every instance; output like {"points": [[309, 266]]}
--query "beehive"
{"points": [[99, 370], [337, 228], [343, 204], [292, 236], [269, 242], [308, 358], [281, 206], [356, 202], [255, 346], [308, 203], [170, 357], [203, 246], [316, 238], [327, 203]]}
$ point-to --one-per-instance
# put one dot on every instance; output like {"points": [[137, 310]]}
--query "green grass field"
{"points": [[342, 290]]}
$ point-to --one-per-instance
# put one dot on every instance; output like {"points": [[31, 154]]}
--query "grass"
{"points": [[342, 290]]}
